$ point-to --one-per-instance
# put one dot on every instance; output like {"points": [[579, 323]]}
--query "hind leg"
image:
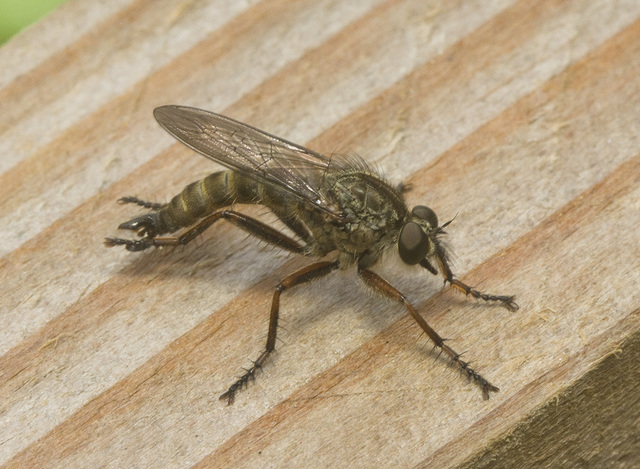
{"points": [[145, 226]]}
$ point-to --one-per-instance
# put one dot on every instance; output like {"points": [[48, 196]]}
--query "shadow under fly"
{"points": [[332, 205]]}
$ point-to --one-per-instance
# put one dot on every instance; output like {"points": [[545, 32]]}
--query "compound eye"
{"points": [[426, 213], [413, 243]]}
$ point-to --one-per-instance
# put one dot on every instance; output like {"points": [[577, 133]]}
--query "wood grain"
{"points": [[521, 119]]}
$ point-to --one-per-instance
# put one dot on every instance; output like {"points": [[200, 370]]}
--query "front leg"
{"points": [[380, 285], [504, 300]]}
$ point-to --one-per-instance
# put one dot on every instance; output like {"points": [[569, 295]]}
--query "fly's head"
{"points": [[418, 239]]}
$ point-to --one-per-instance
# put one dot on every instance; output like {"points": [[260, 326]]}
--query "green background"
{"points": [[18, 14]]}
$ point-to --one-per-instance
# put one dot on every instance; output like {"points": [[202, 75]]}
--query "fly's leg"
{"points": [[506, 301], [251, 225], [142, 203], [383, 287], [309, 273]]}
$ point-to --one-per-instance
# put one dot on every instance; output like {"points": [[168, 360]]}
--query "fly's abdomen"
{"points": [[203, 197]]}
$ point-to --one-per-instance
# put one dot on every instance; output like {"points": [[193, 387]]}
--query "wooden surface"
{"points": [[522, 118]]}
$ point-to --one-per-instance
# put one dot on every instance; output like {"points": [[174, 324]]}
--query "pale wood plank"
{"points": [[521, 119]]}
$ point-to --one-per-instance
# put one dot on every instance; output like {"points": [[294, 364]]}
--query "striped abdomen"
{"points": [[206, 196]]}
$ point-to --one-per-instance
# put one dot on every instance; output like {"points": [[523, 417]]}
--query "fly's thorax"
{"points": [[372, 213], [203, 197], [367, 199]]}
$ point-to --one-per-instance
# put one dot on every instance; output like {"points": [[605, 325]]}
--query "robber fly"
{"points": [[337, 204]]}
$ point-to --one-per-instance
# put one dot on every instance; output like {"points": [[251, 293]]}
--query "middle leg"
{"points": [[307, 274]]}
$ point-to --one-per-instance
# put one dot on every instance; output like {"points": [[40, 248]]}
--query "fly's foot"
{"points": [[506, 301], [465, 369], [477, 378], [142, 203], [131, 244], [249, 375]]}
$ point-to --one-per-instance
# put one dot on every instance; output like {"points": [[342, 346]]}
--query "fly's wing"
{"points": [[249, 151]]}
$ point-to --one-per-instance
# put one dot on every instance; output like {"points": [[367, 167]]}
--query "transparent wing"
{"points": [[250, 151]]}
